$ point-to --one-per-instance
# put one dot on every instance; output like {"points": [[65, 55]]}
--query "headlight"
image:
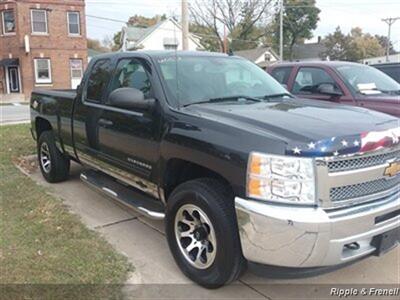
{"points": [[281, 178]]}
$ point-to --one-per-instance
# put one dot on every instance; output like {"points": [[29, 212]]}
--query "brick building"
{"points": [[42, 45]]}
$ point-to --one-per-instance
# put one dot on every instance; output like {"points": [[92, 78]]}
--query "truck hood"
{"points": [[297, 121]]}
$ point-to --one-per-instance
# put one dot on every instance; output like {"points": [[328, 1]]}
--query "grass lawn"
{"points": [[40, 241]]}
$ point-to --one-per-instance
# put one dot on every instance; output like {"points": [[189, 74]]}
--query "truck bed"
{"points": [[65, 94], [57, 108]]}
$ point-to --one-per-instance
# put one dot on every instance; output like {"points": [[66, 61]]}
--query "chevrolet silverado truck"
{"points": [[239, 169], [341, 82]]}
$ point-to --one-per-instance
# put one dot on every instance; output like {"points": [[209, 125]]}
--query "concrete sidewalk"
{"points": [[143, 242], [14, 114]]}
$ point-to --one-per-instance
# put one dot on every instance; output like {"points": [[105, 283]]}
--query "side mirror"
{"points": [[130, 98], [284, 85], [328, 89]]}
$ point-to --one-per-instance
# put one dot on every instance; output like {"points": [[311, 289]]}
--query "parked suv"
{"points": [[340, 82]]}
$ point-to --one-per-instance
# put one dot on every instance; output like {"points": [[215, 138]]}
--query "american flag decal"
{"points": [[359, 143], [375, 140]]}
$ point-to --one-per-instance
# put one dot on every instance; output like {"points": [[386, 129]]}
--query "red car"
{"points": [[342, 82]]}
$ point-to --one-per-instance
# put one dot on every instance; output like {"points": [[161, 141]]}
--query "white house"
{"points": [[262, 56], [165, 35], [394, 58]]}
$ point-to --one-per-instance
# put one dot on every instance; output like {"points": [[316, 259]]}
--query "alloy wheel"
{"points": [[45, 157], [195, 236]]}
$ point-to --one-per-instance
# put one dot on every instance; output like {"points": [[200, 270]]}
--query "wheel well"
{"points": [[41, 126], [179, 171]]}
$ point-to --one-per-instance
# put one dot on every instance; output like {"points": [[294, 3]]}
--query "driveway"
{"points": [[14, 114], [143, 242]]}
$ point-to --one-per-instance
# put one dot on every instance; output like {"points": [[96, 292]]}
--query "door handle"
{"points": [[105, 122]]}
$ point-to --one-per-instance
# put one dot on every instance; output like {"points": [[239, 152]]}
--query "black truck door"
{"points": [[88, 110], [129, 138]]}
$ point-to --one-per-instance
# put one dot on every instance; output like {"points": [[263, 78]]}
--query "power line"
{"points": [[166, 29], [106, 19]]}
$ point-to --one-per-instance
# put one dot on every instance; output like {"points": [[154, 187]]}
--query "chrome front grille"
{"points": [[353, 179], [363, 189], [362, 162]]}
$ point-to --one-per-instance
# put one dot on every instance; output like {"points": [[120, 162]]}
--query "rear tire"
{"points": [[190, 207], [54, 165]]}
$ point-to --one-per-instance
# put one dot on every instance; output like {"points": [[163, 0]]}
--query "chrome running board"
{"points": [[128, 196]]}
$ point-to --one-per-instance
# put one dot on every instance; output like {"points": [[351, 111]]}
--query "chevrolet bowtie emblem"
{"points": [[393, 169]]}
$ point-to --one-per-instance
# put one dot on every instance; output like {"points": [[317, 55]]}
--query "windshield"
{"points": [[197, 79], [367, 80]]}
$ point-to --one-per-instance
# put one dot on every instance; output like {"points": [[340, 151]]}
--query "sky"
{"points": [[347, 14]]}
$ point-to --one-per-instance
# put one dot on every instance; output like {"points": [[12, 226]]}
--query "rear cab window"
{"points": [[99, 77]]}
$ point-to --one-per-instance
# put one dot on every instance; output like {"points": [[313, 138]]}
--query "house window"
{"points": [[42, 70], [39, 21], [76, 68], [8, 21], [73, 23]]}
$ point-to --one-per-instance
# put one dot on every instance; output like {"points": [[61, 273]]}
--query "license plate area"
{"points": [[386, 241]]}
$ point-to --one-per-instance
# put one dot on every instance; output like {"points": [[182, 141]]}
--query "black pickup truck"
{"points": [[239, 170]]}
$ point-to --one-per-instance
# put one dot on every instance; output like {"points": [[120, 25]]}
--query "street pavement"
{"points": [[156, 274], [14, 114]]}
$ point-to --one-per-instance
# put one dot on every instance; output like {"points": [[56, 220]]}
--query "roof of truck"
{"points": [[335, 63], [162, 53]]}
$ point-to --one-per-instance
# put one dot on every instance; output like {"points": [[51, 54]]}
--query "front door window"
{"points": [[308, 80]]}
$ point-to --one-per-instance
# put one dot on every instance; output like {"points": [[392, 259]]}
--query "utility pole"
{"points": [[281, 32], [225, 41], [185, 25], [390, 22]]}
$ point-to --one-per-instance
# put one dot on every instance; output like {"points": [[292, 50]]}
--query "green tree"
{"points": [[300, 18], [338, 46], [354, 46], [116, 41], [365, 44]]}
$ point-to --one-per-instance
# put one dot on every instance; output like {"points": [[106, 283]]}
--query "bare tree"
{"points": [[245, 21]]}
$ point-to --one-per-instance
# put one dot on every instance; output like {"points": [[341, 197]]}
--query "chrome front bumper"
{"points": [[312, 237]]}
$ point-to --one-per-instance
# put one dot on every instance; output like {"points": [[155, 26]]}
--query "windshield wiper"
{"points": [[279, 95], [225, 99]]}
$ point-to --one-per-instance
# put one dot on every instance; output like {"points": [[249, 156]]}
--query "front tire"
{"points": [[202, 232], [53, 164]]}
